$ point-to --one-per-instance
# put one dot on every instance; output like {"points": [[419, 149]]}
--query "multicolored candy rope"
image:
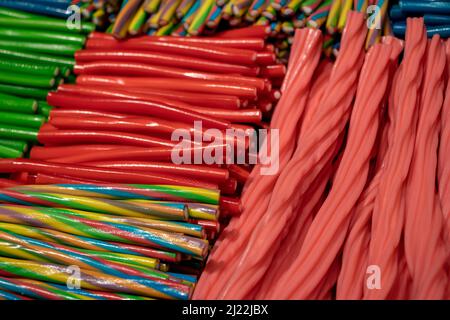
{"points": [[43, 217], [49, 235], [88, 279], [131, 191]]}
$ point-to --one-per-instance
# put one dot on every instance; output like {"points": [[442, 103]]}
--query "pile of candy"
{"points": [[436, 15], [104, 209], [115, 125], [122, 240], [36, 55], [363, 213], [280, 18]]}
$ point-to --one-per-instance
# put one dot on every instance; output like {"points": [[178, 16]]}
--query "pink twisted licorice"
{"points": [[287, 114], [351, 281], [444, 164], [388, 214], [444, 156], [329, 228], [424, 246], [293, 241], [402, 287], [258, 192], [224, 253], [312, 50], [318, 89], [294, 238], [305, 166]]}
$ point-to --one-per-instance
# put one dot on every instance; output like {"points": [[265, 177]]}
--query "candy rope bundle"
{"points": [[444, 151], [351, 174], [335, 73], [429, 280], [286, 145], [388, 209], [176, 156], [50, 291], [331, 238], [116, 254], [358, 21], [36, 56], [294, 239]]}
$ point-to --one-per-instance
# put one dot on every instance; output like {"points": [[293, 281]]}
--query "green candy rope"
{"points": [[41, 36], [47, 24], [20, 119], [34, 57], [44, 109], [21, 146], [27, 80], [18, 133], [6, 152], [16, 104], [24, 91], [38, 47], [10, 65]]}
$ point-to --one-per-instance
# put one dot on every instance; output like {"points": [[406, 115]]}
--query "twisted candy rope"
{"points": [[426, 254], [388, 215]]}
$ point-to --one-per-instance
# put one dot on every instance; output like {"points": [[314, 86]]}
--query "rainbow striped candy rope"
{"points": [[50, 291], [45, 218], [4, 295], [202, 211], [163, 225], [130, 191], [84, 203], [38, 252], [143, 209], [116, 259], [88, 243], [88, 279]]}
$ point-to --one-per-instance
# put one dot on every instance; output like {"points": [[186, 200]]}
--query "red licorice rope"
{"points": [[142, 125], [202, 172], [359, 209], [71, 113], [260, 32], [127, 153], [302, 169], [154, 71], [250, 42], [351, 279], [64, 137], [243, 115], [135, 107], [121, 92], [314, 199], [43, 153], [189, 85], [85, 172], [6, 183], [204, 51], [151, 58]]}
